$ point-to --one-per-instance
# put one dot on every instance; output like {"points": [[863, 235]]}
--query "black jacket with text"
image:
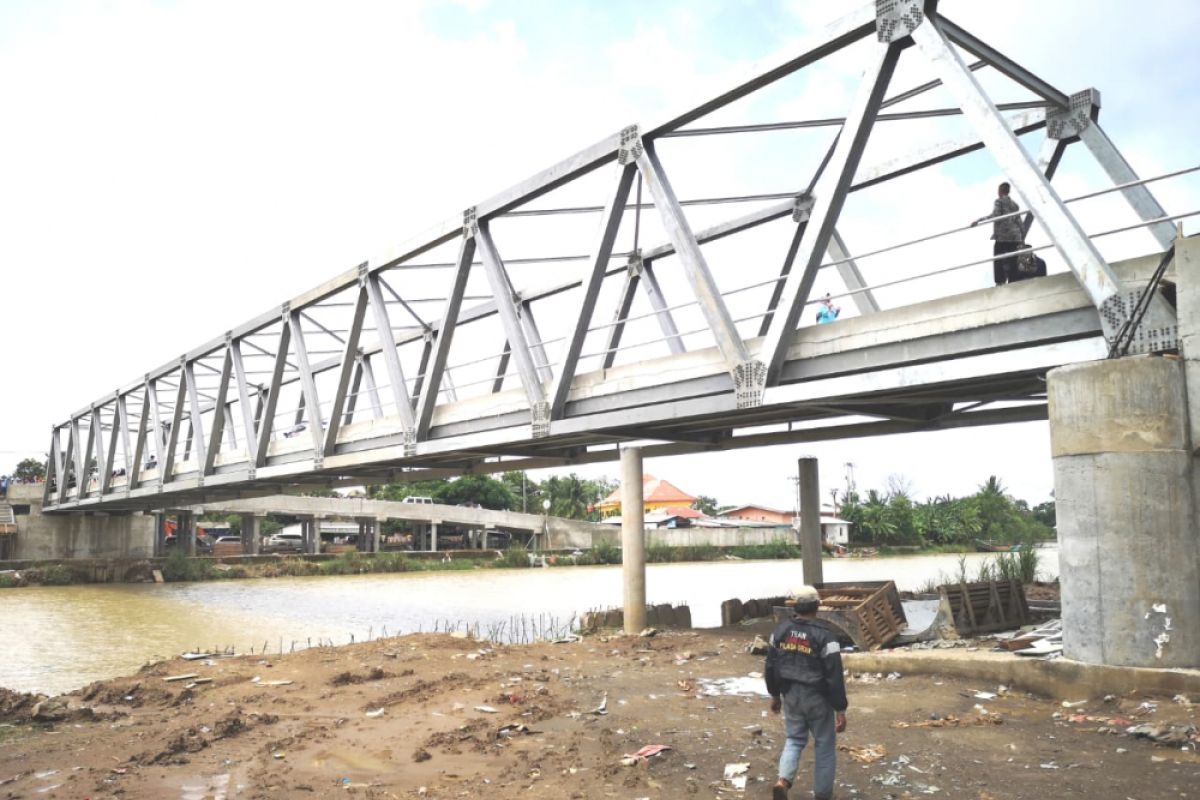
{"points": [[807, 652]]}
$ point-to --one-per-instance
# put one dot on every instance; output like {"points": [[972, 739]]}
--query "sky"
{"points": [[171, 169]]}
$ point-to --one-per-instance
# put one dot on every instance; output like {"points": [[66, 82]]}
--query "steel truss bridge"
{"points": [[357, 381]]}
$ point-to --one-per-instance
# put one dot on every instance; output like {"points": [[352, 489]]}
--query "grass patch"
{"points": [[179, 568], [778, 549], [513, 558]]}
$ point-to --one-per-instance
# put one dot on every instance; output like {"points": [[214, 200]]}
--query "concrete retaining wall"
{"points": [[674, 537], [42, 537], [1061, 678], [660, 616]]}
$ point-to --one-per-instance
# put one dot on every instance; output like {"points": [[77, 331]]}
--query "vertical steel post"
{"points": [[432, 382], [610, 223], [662, 309], [829, 195], [687, 249], [633, 540], [863, 298]]}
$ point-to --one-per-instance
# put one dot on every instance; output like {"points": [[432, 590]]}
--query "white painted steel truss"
{"points": [[215, 423]]}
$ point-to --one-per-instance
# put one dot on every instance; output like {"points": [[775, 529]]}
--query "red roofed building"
{"points": [[657, 495]]}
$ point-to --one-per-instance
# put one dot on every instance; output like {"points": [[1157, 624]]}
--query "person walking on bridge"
{"points": [[1007, 233], [804, 678]]}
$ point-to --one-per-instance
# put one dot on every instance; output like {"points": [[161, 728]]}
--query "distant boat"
{"points": [[992, 547]]}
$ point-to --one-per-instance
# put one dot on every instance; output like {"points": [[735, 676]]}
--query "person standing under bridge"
{"points": [[1007, 234], [804, 678]]}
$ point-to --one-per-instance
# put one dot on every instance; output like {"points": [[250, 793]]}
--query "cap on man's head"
{"points": [[806, 599]]}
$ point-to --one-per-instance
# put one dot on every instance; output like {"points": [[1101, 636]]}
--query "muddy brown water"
{"points": [[60, 638]]}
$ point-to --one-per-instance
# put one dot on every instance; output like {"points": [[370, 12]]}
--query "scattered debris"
{"points": [[648, 751], [648, 632], [601, 709], [751, 684], [951, 721], [187, 676], [758, 647], [733, 770], [866, 754], [1174, 735], [378, 712], [485, 709]]}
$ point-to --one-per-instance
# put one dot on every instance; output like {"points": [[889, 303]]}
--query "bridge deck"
{"points": [[976, 358]]}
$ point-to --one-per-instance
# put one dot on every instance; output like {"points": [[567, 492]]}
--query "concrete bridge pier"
{"points": [[160, 534], [433, 536], [633, 540], [185, 536], [1126, 494], [368, 535], [1123, 437], [251, 534], [311, 532]]}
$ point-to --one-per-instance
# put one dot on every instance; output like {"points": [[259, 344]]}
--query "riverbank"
{"points": [[437, 716], [179, 568]]}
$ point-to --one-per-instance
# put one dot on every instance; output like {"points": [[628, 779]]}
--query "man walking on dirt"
{"points": [[804, 678]]}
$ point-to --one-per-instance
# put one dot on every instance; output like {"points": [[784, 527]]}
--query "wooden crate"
{"points": [[867, 613], [224, 549], [987, 606]]}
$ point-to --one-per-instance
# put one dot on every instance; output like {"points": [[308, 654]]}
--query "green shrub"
{"points": [[698, 552], [514, 557], [58, 575], [605, 553], [348, 563], [179, 567], [778, 549], [390, 562], [1019, 565], [660, 554], [9, 581]]}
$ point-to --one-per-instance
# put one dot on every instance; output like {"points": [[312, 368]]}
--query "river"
{"points": [[60, 638]]}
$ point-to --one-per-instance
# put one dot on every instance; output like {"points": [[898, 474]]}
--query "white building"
{"points": [[834, 529]]}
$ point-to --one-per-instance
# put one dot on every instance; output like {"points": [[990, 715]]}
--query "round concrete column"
{"points": [[1126, 494], [810, 522], [633, 539]]}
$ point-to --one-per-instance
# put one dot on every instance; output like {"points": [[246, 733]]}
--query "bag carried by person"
{"points": [[1029, 265]]}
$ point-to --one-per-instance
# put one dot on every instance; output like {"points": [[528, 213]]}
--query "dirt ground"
{"points": [[421, 716]]}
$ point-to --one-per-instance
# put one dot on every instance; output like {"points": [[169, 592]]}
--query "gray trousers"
{"points": [[807, 712]]}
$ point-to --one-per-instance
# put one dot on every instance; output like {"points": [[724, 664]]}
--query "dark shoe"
{"points": [[779, 792]]}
